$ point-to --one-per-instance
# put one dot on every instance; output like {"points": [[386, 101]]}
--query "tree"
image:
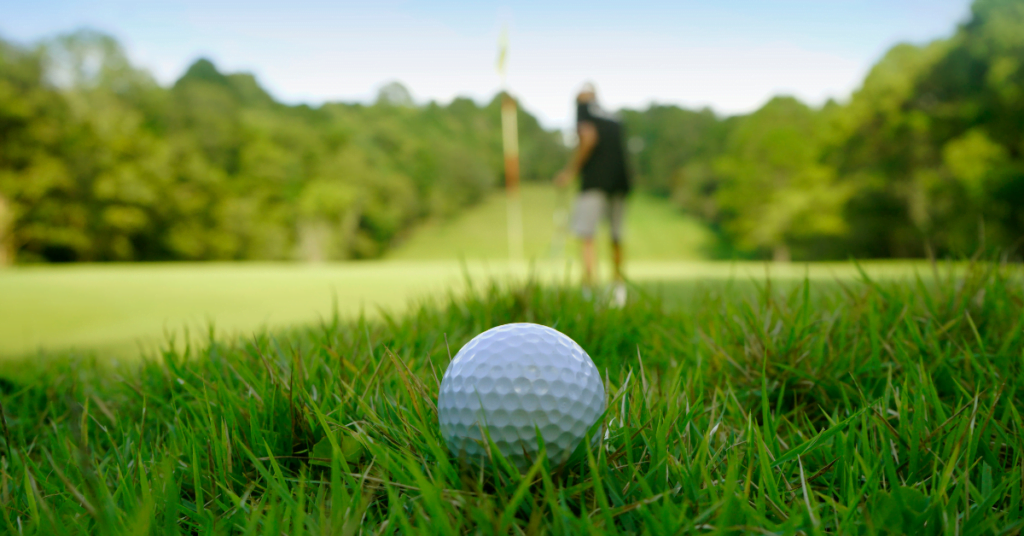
{"points": [[6, 233], [774, 189], [394, 94], [666, 139], [934, 144], [882, 153]]}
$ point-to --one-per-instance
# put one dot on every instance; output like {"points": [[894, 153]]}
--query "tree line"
{"points": [[927, 157], [98, 162]]}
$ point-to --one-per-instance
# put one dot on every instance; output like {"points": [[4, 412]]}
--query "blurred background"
{"points": [[793, 130]]}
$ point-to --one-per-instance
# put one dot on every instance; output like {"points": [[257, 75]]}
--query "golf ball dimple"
{"points": [[515, 380]]}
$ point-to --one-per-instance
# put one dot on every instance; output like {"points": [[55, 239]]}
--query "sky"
{"points": [[729, 55]]}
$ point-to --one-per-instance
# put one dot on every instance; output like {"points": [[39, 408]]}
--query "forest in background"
{"points": [[927, 157], [100, 163]]}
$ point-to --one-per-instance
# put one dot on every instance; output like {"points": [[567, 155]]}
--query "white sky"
{"points": [[731, 55]]}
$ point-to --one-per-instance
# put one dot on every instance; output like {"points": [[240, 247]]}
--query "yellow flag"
{"points": [[502, 50]]}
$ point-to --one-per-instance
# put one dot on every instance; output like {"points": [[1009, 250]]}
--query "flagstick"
{"points": [[510, 143]]}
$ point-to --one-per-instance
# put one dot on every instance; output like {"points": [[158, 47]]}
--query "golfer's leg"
{"points": [[617, 259], [616, 217], [589, 260], [589, 206]]}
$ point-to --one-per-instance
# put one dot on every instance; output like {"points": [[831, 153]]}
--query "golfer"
{"points": [[600, 162]]}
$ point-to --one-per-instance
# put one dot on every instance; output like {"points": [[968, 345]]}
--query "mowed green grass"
{"points": [[655, 230], [118, 311], [866, 407], [121, 311]]}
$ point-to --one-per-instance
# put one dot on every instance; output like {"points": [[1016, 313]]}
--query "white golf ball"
{"points": [[515, 380]]}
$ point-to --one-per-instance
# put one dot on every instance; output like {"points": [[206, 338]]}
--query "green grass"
{"points": [[114, 310], [655, 230], [860, 407]]}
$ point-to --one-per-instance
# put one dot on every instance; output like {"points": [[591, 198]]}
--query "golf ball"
{"points": [[515, 380]]}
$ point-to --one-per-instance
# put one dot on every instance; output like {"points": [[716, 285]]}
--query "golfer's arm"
{"points": [[588, 140]]}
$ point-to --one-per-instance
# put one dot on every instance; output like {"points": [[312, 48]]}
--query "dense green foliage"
{"points": [[928, 155], [859, 408], [98, 162]]}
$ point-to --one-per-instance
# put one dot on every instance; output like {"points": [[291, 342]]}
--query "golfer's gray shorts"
{"points": [[591, 206]]}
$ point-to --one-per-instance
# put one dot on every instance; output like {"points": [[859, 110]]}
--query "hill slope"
{"points": [[654, 230]]}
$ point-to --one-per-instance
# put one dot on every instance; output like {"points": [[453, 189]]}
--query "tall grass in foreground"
{"points": [[869, 408]]}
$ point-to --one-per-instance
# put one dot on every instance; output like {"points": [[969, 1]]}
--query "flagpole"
{"points": [[510, 145]]}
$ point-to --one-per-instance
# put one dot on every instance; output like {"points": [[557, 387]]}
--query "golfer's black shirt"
{"points": [[606, 168]]}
